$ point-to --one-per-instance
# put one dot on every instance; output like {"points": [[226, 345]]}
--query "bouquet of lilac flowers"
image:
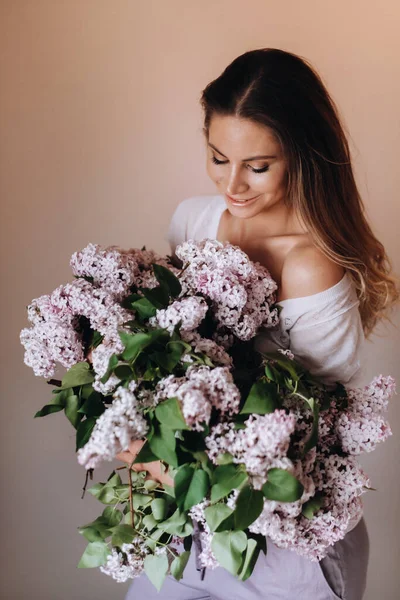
{"points": [[257, 447]]}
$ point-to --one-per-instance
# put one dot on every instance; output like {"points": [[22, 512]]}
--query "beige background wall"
{"points": [[100, 139]]}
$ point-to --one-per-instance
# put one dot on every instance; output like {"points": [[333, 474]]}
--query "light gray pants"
{"points": [[279, 575]]}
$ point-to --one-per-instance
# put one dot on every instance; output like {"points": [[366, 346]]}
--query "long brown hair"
{"points": [[282, 91]]}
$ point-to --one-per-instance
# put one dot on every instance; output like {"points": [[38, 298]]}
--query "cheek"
{"points": [[276, 181], [213, 171]]}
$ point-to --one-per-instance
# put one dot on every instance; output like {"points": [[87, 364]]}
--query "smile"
{"points": [[241, 202]]}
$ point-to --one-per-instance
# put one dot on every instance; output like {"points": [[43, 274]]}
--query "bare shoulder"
{"points": [[306, 271]]}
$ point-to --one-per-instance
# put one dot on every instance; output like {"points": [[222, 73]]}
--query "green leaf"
{"points": [[156, 567], [112, 515], [169, 489], [312, 506], [262, 398], [137, 342], [48, 409], [215, 514], [163, 444], [191, 486], [167, 360], [145, 454], [84, 431], [224, 458], [57, 402], [95, 555], [113, 480], [249, 505], [228, 548], [144, 308], [92, 534], [178, 565], [282, 486], [96, 531], [150, 485], [250, 559], [149, 522], [226, 478], [159, 508], [93, 406], [77, 375], [177, 524], [107, 495], [122, 492], [158, 296], [313, 438], [153, 538], [122, 534], [166, 278], [289, 365], [123, 372], [140, 500], [71, 410], [112, 363], [169, 413], [85, 391]]}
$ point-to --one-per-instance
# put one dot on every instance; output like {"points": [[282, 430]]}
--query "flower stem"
{"points": [[130, 492]]}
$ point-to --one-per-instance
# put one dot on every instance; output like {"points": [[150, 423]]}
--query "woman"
{"points": [[279, 158]]}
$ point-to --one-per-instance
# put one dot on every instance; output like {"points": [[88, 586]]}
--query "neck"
{"points": [[276, 221]]}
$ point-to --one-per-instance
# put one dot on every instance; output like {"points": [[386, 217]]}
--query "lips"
{"points": [[241, 202]]}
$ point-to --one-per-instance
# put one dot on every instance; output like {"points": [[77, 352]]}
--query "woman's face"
{"points": [[251, 165]]}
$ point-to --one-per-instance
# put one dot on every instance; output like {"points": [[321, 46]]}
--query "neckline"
{"points": [[319, 297], [217, 216]]}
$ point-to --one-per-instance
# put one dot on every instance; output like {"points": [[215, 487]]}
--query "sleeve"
{"points": [[330, 348], [177, 227]]}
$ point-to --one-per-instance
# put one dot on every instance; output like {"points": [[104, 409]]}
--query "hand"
{"points": [[153, 468]]}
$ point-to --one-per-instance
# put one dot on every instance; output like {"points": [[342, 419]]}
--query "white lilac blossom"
{"points": [[111, 269], [341, 481], [190, 312], [101, 309], [49, 343], [358, 433], [145, 258], [241, 291], [206, 556], [56, 335], [215, 352], [100, 359], [287, 353], [361, 426], [201, 389], [128, 562], [114, 429], [260, 446]]}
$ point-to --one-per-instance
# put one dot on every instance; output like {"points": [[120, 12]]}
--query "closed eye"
{"points": [[221, 162]]}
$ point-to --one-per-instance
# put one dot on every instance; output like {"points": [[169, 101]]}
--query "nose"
{"points": [[236, 184]]}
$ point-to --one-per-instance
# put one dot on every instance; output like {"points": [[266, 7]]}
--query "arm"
{"points": [[330, 349], [325, 331]]}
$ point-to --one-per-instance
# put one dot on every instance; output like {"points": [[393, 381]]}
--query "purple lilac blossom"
{"points": [[241, 291], [201, 389], [128, 562], [114, 429], [189, 311]]}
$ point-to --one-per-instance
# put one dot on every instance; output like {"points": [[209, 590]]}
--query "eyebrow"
{"points": [[245, 159]]}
